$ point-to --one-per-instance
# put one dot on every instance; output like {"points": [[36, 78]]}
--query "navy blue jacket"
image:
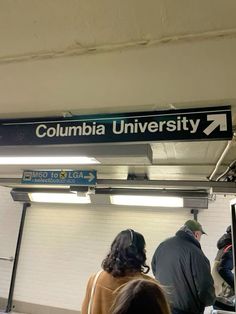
{"points": [[225, 252], [181, 266]]}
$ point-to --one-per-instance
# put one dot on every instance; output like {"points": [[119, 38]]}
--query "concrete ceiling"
{"points": [[84, 56], [32, 27]]}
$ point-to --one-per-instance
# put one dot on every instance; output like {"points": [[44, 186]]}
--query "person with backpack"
{"points": [[222, 273]]}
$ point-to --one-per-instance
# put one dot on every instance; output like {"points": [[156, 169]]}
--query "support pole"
{"points": [[17, 253]]}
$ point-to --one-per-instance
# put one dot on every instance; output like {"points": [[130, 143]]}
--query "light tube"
{"points": [[50, 160], [59, 198], [139, 200]]}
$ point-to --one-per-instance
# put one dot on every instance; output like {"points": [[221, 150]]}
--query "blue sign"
{"points": [[213, 123], [63, 177]]}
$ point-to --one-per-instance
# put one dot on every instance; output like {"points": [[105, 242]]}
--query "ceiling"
{"points": [[83, 56]]}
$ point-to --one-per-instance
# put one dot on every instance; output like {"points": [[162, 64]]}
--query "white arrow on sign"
{"points": [[217, 120], [90, 177]]}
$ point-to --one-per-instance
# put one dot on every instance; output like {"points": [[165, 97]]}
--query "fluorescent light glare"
{"points": [[233, 201], [59, 198], [50, 160], [139, 200]]}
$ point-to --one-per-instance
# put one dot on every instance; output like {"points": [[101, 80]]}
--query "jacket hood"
{"points": [[186, 233], [225, 240], [186, 230]]}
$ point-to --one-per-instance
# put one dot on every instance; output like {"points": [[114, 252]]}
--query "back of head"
{"points": [[127, 254], [228, 230], [140, 296]]}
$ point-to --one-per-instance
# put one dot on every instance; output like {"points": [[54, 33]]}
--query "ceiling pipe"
{"points": [[229, 143], [220, 160], [227, 170]]}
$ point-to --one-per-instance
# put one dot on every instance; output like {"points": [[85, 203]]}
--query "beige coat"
{"points": [[104, 291]]}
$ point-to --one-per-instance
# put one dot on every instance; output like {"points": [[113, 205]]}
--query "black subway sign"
{"points": [[213, 123]]}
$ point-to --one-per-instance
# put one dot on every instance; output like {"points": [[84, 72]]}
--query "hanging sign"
{"points": [[213, 123], [63, 177]]}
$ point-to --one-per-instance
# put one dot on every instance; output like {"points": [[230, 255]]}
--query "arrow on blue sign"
{"points": [[90, 177], [63, 177]]}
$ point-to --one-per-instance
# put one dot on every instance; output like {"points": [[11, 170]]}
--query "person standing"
{"points": [[180, 265], [222, 273], [125, 261]]}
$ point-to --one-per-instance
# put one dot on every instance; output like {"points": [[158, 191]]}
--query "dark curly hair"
{"points": [[127, 254]]}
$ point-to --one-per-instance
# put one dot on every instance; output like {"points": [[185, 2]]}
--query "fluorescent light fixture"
{"points": [[138, 200], [59, 198], [50, 160]]}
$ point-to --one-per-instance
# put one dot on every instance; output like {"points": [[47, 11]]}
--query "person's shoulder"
{"points": [[147, 277], [228, 253], [152, 279], [167, 241], [97, 275], [228, 248]]}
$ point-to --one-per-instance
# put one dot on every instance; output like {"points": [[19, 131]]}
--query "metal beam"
{"points": [[167, 183], [216, 186]]}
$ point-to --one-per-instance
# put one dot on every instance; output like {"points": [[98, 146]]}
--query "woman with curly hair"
{"points": [[140, 296], [125, 261]]}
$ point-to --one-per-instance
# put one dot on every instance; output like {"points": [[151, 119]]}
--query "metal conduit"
{"points": [[221, 158], [9, 259]]}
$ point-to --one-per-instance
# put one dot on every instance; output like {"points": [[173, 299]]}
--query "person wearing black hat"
{"points": [[180, 265], [222, 273]]}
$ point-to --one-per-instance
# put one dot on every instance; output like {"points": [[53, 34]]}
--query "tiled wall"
{"points": [[63, 245]]}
